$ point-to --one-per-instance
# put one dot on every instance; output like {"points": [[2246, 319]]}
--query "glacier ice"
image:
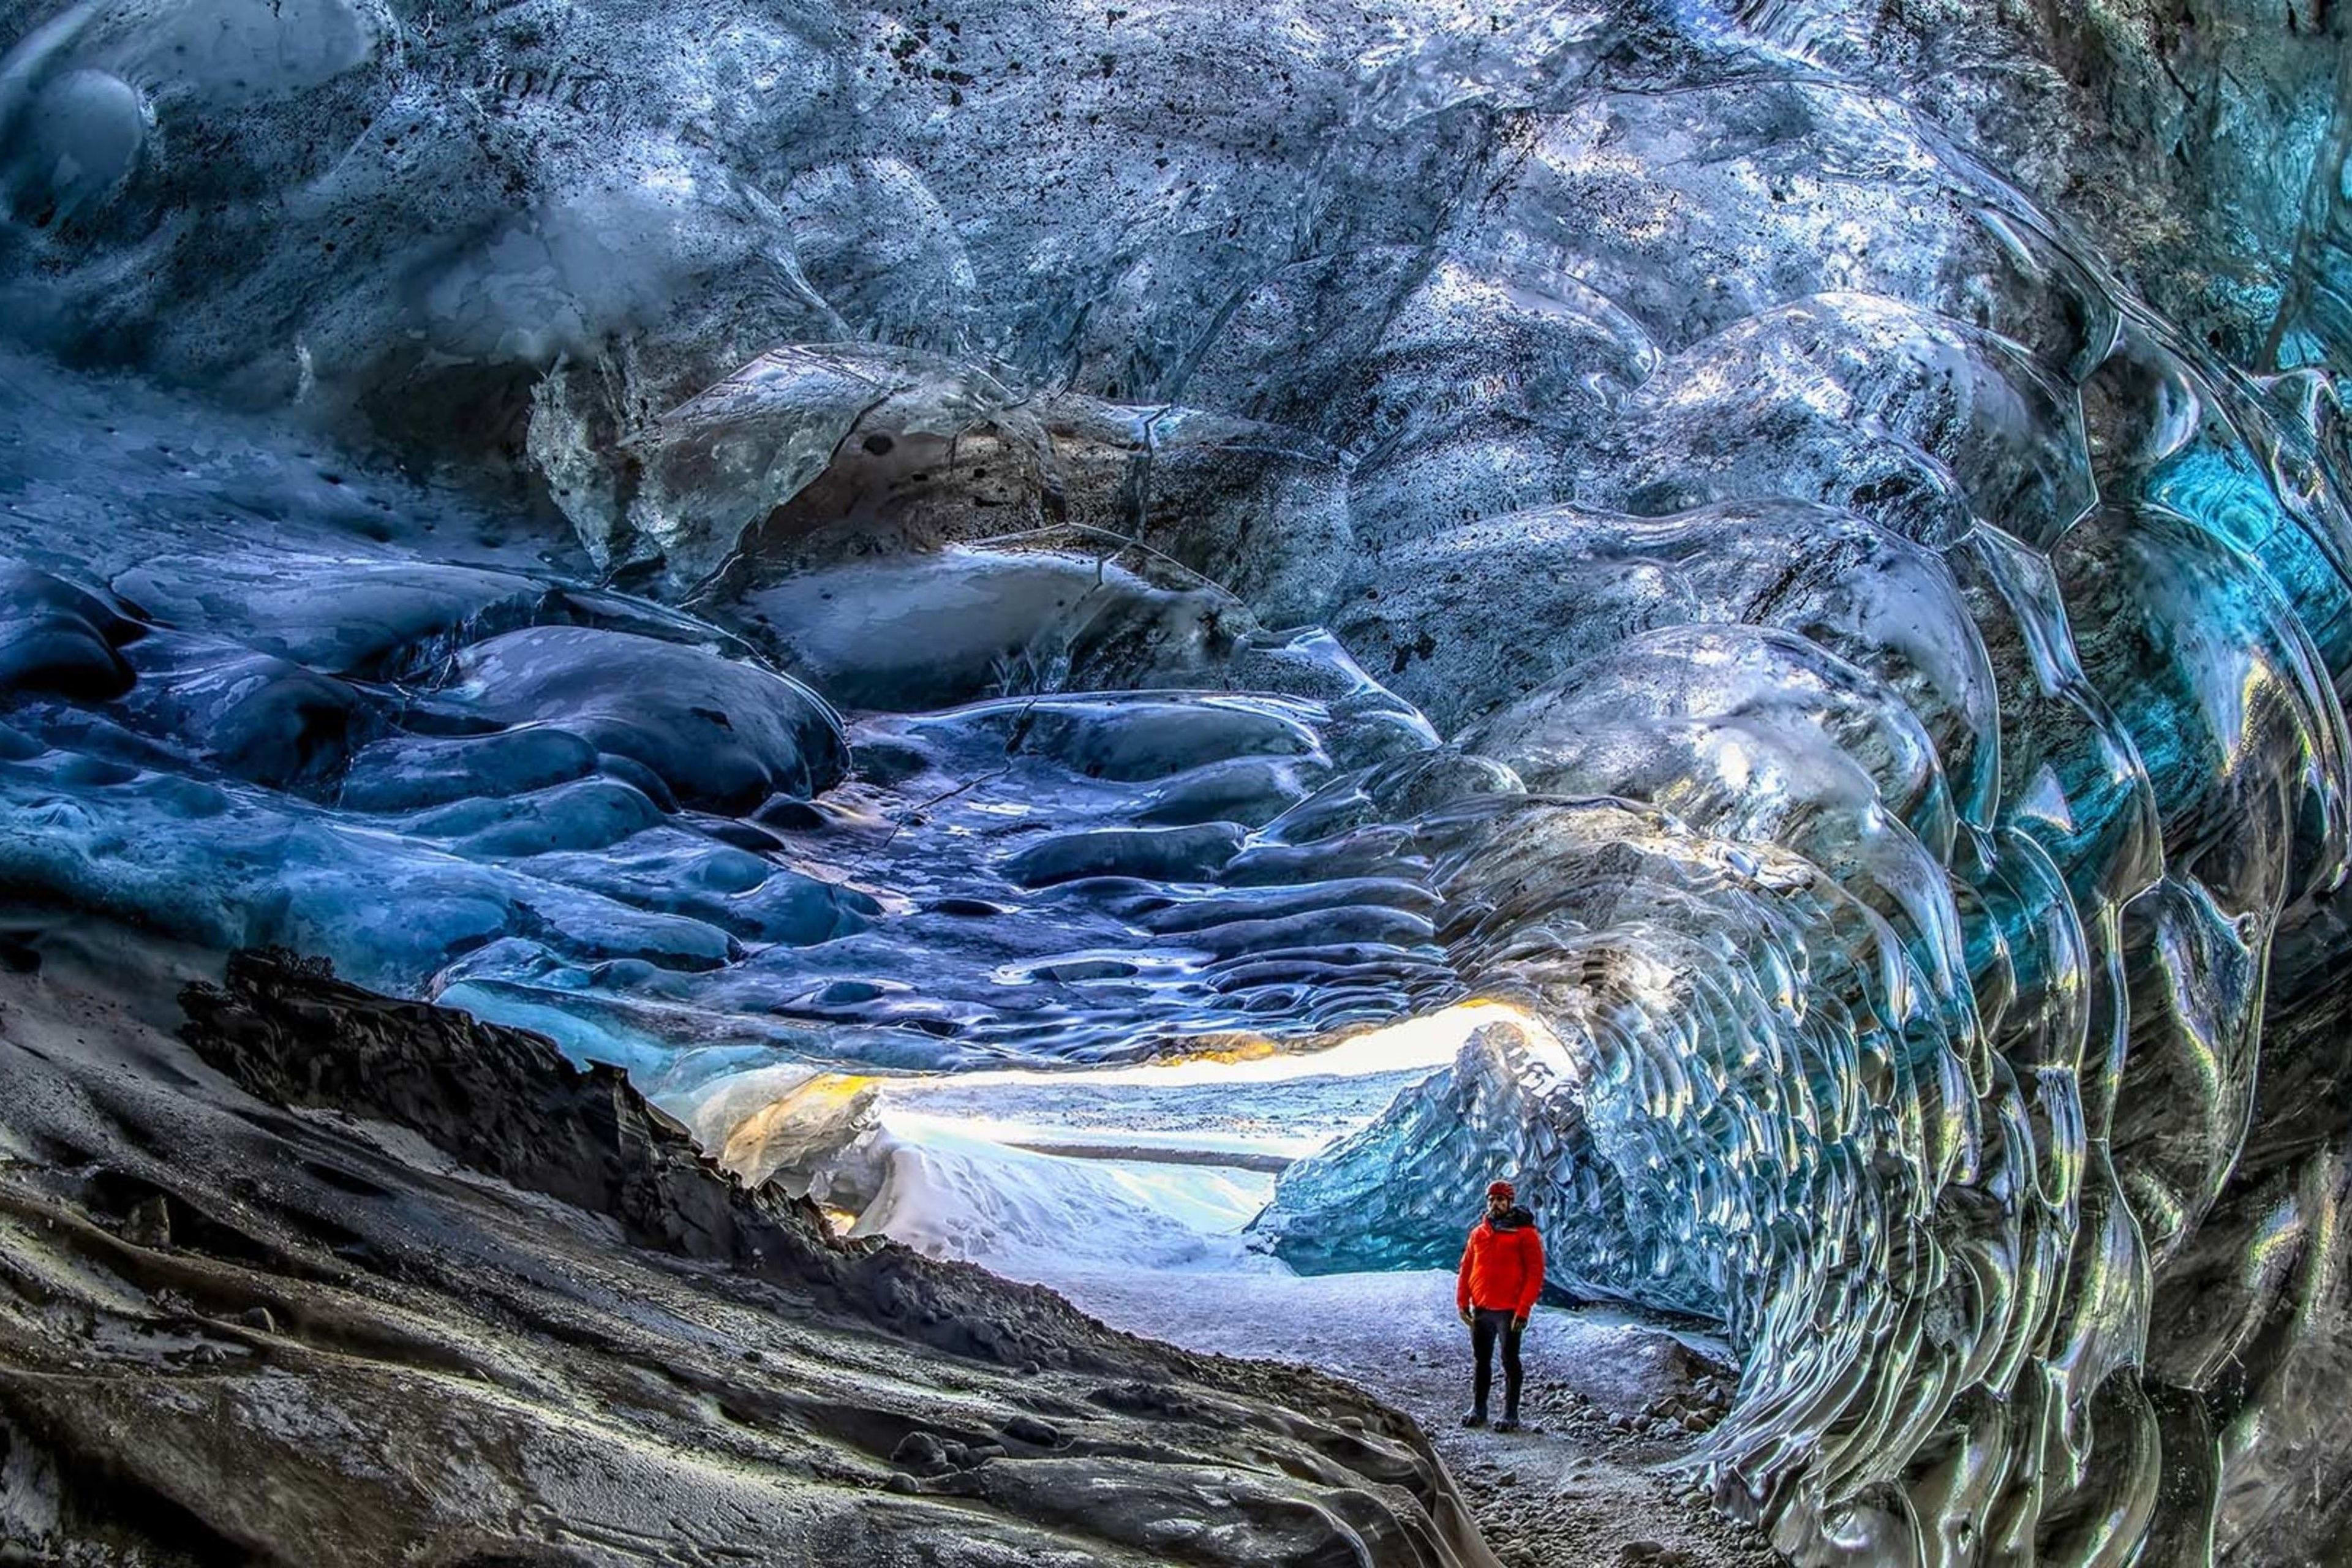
{"points": [[1792, 545]]}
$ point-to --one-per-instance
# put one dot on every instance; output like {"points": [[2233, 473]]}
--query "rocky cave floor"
{"points": [[487, 1305], [1610, 1403]]}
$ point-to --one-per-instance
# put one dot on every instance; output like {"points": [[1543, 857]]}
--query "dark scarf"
{"points": [[1511, 1218]]}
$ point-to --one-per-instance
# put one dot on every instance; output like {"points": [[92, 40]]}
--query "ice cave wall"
{"points": [[1829, 525], [2202, 145]]}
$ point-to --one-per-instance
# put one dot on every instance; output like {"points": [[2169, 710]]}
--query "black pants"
{"points": [[1488, 1324]]}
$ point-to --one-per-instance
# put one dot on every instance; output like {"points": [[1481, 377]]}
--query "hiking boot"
{"points": [[1475, 1419], [1507, 1423]]}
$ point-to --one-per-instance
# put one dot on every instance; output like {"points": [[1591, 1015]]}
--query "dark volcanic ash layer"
{"points": [[343, 1280]]}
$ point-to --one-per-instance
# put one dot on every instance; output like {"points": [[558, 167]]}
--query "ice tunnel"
{"points": [[1774, 578]]}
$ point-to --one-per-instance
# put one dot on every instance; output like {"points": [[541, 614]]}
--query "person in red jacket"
{"points": [[1495, 1289]]}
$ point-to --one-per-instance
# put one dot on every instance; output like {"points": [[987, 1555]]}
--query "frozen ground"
{"points": [[1608, 1397]]}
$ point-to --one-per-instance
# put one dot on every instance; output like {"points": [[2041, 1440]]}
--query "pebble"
{"points": [[921, 1451], [150, 1224], [1027, 1428]]}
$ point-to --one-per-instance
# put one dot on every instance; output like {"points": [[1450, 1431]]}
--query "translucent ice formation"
{"points": [[1029, 536]]}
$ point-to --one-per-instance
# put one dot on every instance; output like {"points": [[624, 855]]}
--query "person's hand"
{"points": [[1519, 1323], [1465, 1318]]}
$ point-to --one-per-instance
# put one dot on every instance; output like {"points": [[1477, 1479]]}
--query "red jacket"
{"points": [[1502, 1265]]}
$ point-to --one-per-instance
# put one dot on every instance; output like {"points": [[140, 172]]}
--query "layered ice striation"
{"points": [[785, 546]]}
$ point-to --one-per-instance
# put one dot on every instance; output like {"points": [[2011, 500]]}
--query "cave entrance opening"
{"points": [[1057, 1175]]}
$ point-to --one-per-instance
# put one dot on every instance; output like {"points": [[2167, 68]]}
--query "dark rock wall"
{"points": [[382, 1284]]}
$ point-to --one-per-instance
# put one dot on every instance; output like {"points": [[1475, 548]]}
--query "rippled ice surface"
{"points": [[800, 550]]}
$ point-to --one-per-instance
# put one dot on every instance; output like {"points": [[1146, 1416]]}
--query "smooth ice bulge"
{"points": [[785, 546]]}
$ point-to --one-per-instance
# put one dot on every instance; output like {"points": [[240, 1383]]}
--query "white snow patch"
{"points": [[951, 1192]]}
